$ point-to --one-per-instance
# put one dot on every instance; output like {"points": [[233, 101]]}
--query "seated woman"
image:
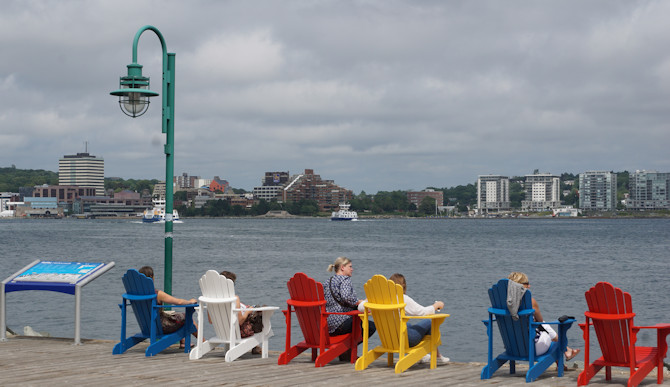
{"points": [[246, 329], [416, 331], [543, 341], [341, 297], [170, 322]]}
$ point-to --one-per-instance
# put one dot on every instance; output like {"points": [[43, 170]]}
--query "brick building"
{"points": [[416, 197], [309, 186]]}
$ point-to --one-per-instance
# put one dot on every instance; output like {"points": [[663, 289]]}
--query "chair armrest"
{"points": [[430, 316], [655, 326], [662, 330], [568, 321]]}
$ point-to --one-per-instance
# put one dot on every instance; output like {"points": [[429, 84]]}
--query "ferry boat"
{"points": [[344, 213], [157, 213]]}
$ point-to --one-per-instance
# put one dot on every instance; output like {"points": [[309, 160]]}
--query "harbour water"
{"points": [[454, 260]]}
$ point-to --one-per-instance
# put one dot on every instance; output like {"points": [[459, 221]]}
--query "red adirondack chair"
{"points": [[611, 310], [309, 305]]}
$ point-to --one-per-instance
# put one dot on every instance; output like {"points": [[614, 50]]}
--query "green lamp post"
{"points": [[134, 97]]}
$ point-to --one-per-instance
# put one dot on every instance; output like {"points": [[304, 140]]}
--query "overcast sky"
{"points": [[376, 95]]}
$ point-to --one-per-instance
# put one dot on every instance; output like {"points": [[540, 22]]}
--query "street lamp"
{"points": [[134, 97]]}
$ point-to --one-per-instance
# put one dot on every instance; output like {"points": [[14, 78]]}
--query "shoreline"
{"points": [[366, 217]]}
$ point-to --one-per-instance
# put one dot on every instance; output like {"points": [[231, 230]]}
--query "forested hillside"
{"points": [[12, 178]]}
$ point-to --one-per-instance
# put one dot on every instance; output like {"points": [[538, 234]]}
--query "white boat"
{"points": [[157, 213], [344, 213]]}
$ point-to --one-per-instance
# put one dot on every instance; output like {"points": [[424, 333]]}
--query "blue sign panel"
{"points": [[52, 271]]}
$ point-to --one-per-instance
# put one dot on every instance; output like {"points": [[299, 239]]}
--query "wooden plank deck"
{"points": [[31, 361]]}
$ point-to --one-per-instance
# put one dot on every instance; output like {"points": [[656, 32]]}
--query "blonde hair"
{"points": [[400, 280], [339, 262], [518, 277]]}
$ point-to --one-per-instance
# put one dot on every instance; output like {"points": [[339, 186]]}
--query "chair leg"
{"points": [[366, 359], [586, 375]]}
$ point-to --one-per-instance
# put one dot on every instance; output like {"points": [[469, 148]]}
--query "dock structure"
{"points": [[34, 361]]}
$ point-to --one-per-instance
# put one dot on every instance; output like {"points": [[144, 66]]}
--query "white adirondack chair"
{"points": [[218, 299]]}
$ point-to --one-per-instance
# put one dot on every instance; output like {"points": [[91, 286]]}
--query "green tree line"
{"points": [[11, 179]]}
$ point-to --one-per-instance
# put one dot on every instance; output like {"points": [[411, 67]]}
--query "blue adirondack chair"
{"points": [[141, 296], [518, 336]]}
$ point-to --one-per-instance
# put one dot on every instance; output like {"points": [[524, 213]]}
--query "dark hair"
{"points": [[147, 271], [229, 274]]}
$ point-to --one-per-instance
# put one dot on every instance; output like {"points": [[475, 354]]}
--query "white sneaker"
{"points": [[440, 360], [443, 360]]}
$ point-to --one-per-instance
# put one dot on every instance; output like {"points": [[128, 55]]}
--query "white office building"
{"points": [[83, 170], [492, 194]]}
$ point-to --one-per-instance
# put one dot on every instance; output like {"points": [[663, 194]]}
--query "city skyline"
{"points": [[375, 95]]}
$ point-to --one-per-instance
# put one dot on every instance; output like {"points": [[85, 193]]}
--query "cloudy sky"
{"points": [[376, 95]]}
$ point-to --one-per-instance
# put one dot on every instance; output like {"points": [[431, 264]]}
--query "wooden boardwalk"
{"points": [[30, 361]]}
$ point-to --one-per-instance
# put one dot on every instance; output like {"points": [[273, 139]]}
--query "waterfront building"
{"points": [[649, 190], [159, 190], [492, 194], [83, 170], [219, 185], [272, 186], [416, 197], [199, 182], [39, 207], [597, 191], [64, 194], [269, 193], [542, 192], [185, 181], [310, 186]]}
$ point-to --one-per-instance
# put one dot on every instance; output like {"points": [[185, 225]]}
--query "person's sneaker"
{"points": [[440, 360]]}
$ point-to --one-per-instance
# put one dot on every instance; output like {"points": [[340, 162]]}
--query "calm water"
{"points": [[451, 260]]}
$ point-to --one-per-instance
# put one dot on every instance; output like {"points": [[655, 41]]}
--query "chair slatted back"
{"points": [[514, 333], [381, 291], [138, 284], [306, 289], [214, 285], [614, 336]]}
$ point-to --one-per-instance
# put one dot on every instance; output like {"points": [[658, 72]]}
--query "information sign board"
{"points": [[52, 271], [55, 276]]}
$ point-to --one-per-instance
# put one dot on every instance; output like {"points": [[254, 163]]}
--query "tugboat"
{"points": [[157, 213], [344, 213]]}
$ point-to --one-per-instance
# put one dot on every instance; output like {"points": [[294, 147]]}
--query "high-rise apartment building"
{"points": [[542, 192], [597, 191], [492, 193], [649, 190], [185, 181], [83, 170]]}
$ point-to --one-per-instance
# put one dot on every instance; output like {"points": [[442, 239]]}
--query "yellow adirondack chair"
{"points": [[386, 305]]}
